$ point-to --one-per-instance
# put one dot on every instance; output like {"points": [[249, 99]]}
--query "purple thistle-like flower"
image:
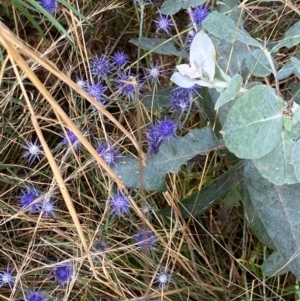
{"points": [[107, 153], [63, 273], [199, 14], [35, 296], [145, 239], [49, 5], [96, 90], [48, 207], [163, 279], [163, 23], [154, 141], [153, 73], [120, 58], [69, 138], [126, 84], [33, 151], [119, 204], [100, 66], [81, 83], [180, 99], [166, 128], [28, 200], [7, 278]]}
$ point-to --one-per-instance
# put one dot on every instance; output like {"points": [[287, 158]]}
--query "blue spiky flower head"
{"points": [[166, 128], [63, 273], [126, 84], [7, 278], [163, 279], [100, 66], [48, 207], [163, 23], [145, 239], [119, 204], [153, 140], [154, 73], [49, 5], [107, 152], [180, 99], [29, 199], [81, 83], [35, 296], [96, 90], [33, 151], [69, 138], [199, 14], [120, 58]]}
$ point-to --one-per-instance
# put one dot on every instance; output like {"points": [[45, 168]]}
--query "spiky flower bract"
{"points": [[48, 207], [120, 58], [49, 5], [33, 151], [153, 73], [35, 296], [107, 153], [145, 239], [69, 138], [63, 273], [166, 128], [163, 279], [96, 90], [81, 83], [126, 84], [163, 23], [28, 200], [119, 204], [7, 278], [180, 99], [199, 14], [100, 66], [154, 141]]}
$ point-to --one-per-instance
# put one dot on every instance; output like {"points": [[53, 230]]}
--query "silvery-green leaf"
{"points": [[296, 66]]}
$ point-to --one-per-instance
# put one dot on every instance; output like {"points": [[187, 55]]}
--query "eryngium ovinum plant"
{"points": [[249, 121]]}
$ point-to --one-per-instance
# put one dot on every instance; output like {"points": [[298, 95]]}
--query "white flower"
{"points": [[201, 70]]}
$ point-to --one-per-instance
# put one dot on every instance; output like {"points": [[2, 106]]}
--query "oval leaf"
{"points": [[276, 166], [230, 93], [254, 123], [278, 209], [171, 156]]}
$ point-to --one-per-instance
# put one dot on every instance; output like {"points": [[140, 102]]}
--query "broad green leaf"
{"points": [[275, 265], [232, 9], [201, 201], [160, 99], [258, 64], [223, 27], [232, 57], [296, 155], [253, 220], [171, 156], [171, 7], [278, 209], [160, 46], [291, 38], [285, 71], [276, 165], [187, 3], [230, 93], [254, 123], [296, 66]]}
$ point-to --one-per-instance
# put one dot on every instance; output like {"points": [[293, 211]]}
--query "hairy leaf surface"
{"points": [[171, 156], [254, 123]]}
